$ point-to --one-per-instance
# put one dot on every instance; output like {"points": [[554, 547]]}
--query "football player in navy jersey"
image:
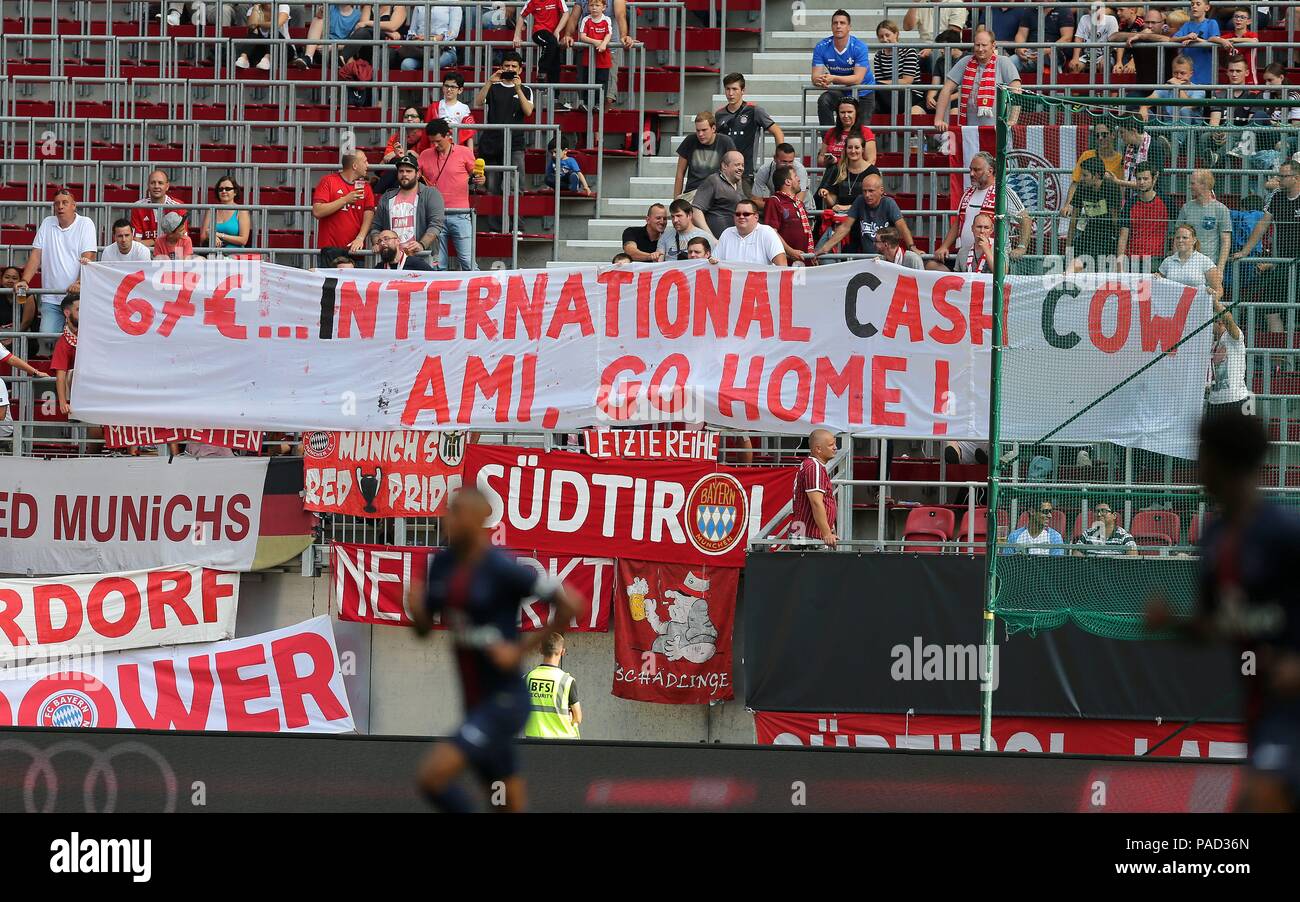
{"points": [[478, 589], [1250, 595]]}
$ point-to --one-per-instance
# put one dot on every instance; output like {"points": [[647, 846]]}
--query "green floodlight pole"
{"points": [[988, 663]]}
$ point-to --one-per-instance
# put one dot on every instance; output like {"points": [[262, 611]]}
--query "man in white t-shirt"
{"points": [[979, 198], [124, 247], [1227, 388], [749, 241], [63, 242]]}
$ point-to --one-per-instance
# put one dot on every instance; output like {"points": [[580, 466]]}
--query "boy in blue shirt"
{"points": [[1198, 31], [571, 177]]}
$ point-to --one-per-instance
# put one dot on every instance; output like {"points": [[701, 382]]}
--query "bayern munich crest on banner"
{"points": [[68, 709], [717, 514]]}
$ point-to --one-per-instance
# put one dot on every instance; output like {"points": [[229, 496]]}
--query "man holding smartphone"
{"points": [[344, 205], [505, 101]]}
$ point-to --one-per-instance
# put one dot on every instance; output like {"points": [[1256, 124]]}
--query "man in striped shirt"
{"points": [[1106, 533], [814, 499]]}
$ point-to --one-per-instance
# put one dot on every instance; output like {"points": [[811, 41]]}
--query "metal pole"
{"points": [[991, 527]]}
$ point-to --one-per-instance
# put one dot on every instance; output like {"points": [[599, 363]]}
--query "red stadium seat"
{"points": [[975, 530], [1162, 527], [933, 523]]}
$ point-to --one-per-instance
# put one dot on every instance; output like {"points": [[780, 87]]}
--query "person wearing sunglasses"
{"points": [[1106, 535], [225, 227], [749, 241], [1036, 537]]}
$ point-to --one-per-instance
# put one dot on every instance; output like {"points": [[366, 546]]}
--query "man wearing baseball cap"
{"points": [[415, 212]]}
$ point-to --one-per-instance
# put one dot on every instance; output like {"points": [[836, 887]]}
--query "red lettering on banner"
{"points": [[183, 304], [614, 280], [219, 309], [295, 686], [134, 515], [980, 322], [482, 294], [43, 597], [130, 607], [103, 530], [70, 523], [829, 380], [527, 388], [677, 396], [522, 308], [803, 388], [238, 508], [435, 310], [643, 305], [755, 307], [712, 302], [787, 330], [729, 392], [354, 309], [428, 393], [572, 308], [618, 407], [42, 692], [882, 394], [13, 606], [942, 397], [498, 382], [673, 326], [134, 315], [1162, 332], [172, 531], [169, 589], [170, 712], [6, 713], [406, 291], [19, 503], [905, 311], [212, 590], [939, 297], [237, 692], [1109, 344]]}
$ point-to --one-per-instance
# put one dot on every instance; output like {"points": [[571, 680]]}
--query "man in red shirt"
{"points": [[814, 497], [449, 167], [1143, 225], [145, 221], [785, 213], [344, 205]]}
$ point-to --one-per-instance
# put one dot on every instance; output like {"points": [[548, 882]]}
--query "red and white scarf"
{"points": [[986, 93], [988, 205], [69, 336], [973, 265], [1134, 154]]}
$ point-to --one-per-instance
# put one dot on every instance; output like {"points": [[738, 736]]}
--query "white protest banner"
{"points": [[42, 618], [285, 681], [864, 346], [104, 516], [1083, 339]]}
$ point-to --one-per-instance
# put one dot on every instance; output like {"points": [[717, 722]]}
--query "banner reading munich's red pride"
{"points": [[672, 632], [678, 511], [370, 580], [381, 474]]}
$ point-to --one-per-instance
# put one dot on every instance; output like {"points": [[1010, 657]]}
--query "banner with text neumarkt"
{"points": [[863, 346]]}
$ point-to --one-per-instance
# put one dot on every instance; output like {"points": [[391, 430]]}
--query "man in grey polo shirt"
{"points": [[1210, 219]]}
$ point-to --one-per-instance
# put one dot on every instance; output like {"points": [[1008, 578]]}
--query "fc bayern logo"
{"points": [[319, 444], [717, 514], [68, 709], [1030, 173]]}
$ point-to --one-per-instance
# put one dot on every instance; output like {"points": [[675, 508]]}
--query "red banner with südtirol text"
{"points": [[1065, 735], [382, 474], [663, 510], [651, 444], [864, 346], [369, 582], [145, 436], [672, 632]]}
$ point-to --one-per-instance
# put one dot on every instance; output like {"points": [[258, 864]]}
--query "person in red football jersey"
{"points": [[546, 16]]}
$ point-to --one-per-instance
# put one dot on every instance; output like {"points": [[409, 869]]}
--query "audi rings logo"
{"points": [[46, 764]]}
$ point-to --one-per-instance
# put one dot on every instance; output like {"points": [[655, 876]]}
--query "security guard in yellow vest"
{"points": [[554, 695]]}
